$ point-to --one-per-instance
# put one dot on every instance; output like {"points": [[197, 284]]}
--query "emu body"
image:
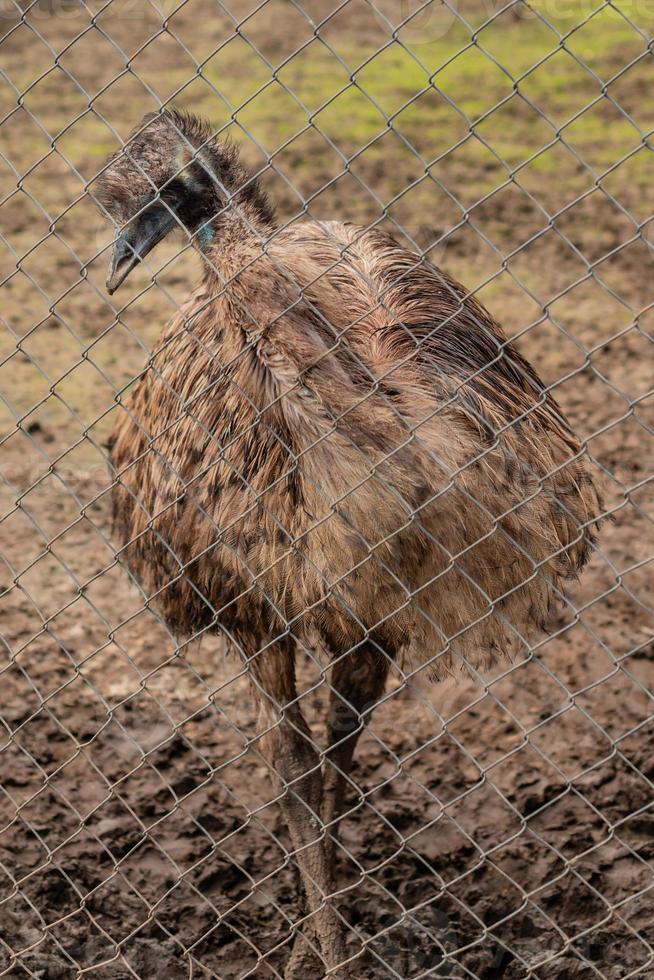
{"points": [[334, 440]]}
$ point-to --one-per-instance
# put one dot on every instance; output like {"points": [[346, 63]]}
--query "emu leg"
{"points": [[286, 745], [358, 680]]}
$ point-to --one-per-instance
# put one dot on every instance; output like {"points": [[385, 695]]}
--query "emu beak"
{"points": [[137, 239]]}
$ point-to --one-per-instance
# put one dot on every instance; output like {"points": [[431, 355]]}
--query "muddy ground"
{"points": [[503, 826]]}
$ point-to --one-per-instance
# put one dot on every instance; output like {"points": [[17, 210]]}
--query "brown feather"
{"points": [[342, 440]]}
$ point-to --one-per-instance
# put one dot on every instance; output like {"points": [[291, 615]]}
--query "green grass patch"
{"points": [[513, 89]]}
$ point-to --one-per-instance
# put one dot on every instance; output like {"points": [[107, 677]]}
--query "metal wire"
{"points": [[499, 827]]}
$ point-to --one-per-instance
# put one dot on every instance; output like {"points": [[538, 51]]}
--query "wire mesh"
{"points": [[497, 823]]}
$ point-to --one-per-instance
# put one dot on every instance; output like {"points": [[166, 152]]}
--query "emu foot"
{"points": [[307, 963], [304, 962]]}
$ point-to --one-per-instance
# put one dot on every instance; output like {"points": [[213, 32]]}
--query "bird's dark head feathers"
{"points": [[172, 174], [165, 154]]}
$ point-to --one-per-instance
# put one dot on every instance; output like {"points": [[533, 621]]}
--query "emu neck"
{"points": [[242, 224], [248, 217], [234, 253]]}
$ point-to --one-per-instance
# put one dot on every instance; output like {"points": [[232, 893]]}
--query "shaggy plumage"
{"points": [[333, 438]]}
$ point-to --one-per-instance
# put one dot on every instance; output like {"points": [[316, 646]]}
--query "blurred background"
{"points": [[505, 828]]}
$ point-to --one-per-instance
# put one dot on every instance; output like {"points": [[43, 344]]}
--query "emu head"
{"points": [[172, 174]]}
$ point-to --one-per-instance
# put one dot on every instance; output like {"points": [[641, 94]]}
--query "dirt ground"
{"points": [[503, 826]]}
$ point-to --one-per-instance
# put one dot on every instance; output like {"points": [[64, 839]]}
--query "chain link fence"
{"points": [[497, 824]]}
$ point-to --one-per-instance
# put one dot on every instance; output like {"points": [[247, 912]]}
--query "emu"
{"points": [[333, 443]]}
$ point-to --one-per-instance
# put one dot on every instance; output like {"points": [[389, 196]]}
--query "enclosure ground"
{"points": [[138, 835]]}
